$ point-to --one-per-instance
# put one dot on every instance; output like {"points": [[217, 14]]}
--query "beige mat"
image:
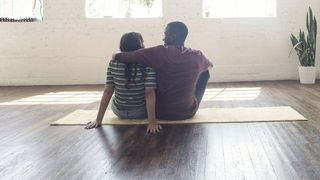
{"points": [[209, 115]]}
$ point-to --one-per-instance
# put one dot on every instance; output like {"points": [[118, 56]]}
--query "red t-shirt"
{"points": [[178, 69]]}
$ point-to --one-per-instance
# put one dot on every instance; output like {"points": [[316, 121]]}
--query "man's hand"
{"points": [[93, 124], [153, 127]]}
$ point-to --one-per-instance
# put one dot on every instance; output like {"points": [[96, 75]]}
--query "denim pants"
{"points": [[139, 113], [201, 85]]}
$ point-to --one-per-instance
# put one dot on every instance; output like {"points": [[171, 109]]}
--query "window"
{"points": [[239, 8], [20, 10], [124, 8]]}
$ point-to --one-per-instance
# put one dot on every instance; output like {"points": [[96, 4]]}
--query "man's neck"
{"points": [[174, 45]]}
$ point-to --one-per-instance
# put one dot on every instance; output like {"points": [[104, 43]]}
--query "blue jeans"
{"points": [[139, 113], [201, 85]]}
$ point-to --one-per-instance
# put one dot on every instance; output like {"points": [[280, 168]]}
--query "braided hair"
{"points": [[130, 42]]}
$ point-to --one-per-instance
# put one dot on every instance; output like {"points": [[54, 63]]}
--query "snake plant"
{"points": [[305, 46]]}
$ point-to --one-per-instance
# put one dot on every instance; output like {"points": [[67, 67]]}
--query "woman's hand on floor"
{"points": [[93, 124], [153, 127]]}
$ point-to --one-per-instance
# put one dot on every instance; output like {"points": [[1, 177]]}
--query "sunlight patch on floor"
{"points": [[67, 97], [231, 94], [87, 97]]}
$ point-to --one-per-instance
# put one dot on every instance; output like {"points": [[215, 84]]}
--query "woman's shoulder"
{"points": [[113, 63], [150, 70]]}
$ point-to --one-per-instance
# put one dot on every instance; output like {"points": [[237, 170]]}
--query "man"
{"points": [[182, 73]]}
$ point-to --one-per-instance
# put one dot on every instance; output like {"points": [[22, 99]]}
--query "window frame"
{"points": [[116, 5], [37, 13], [269, 12]]}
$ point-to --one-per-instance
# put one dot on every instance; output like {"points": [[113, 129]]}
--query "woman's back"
{"points": [[130, 96], [133, 87]]}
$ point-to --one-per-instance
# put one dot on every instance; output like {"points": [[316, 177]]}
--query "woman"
{"points": [[133, 86]]}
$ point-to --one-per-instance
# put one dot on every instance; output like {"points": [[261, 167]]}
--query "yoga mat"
{"points": [[207, 115]]}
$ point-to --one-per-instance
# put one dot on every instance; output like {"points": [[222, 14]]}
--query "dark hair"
{"points": [[130, 42], [180, 29]]}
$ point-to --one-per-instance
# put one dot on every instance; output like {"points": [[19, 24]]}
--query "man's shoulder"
{"points": [[192, 54], [194, 51]]}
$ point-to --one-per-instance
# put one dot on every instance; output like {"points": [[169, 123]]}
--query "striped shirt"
{"points": [[134, 97]]}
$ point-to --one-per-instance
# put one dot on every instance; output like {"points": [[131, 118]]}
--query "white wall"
{"points": [[67, 48]]}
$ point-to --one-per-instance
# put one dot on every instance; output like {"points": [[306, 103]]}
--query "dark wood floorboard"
{"points": [[32, 149]]}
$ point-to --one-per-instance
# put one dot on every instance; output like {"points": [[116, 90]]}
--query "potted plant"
{"points": [[305, 47]]}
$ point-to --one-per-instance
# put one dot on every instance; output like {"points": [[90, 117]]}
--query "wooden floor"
{"points": [[32, 149]]}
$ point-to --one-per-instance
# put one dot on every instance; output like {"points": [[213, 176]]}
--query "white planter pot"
{"points": [[307, 74]]}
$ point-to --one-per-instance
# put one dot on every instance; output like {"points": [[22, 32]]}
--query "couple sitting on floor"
{"points": [[162, 82]]}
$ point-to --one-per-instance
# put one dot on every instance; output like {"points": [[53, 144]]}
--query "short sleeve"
{"points": [[205, 63], [109, 78], [150, 80]]}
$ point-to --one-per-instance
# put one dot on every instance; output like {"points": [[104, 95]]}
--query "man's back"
{"points": [[176, 83]]}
